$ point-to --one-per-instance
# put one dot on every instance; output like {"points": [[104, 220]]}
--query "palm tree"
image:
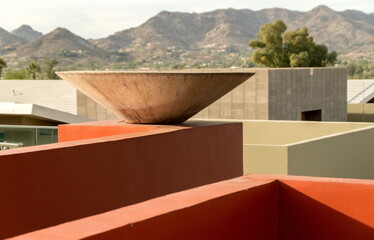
{"points": [[33, 68], [2, 65]]}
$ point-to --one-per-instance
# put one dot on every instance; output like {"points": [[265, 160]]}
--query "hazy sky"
{"points": [[100, 18]]}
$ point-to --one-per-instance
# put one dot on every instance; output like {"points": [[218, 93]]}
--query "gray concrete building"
{"points": [[318, 94]]}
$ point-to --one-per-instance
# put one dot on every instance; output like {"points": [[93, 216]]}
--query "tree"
{"points": [[49, 64], [359, 69], [33, 68], [276, 48], [15, 74], [2, 65]]}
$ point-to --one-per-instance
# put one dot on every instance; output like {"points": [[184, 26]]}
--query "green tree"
{"points": [[274, 47], [32, 69], [357, 69], [2, 65], [49, 65], [351, 69], [15, 74]]}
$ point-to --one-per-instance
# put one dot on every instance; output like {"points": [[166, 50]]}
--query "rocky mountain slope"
{"points": [[59, 42], [68, 48], [219, 36], [8, 41], [341, 31], [27, 33]]}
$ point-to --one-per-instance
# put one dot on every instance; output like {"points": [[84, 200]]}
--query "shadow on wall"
{"points": [[361, 112]]}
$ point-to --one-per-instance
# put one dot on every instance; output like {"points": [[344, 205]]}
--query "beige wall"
{"points": [[361, 112], [265, 159], [286, 132]]}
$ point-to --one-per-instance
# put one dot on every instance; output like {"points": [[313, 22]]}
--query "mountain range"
{"points": [[26, 33], [191, 37]]}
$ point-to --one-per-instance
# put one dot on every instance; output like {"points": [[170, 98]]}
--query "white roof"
{"points": [[55, 94], [360, 90], [29, 109]]}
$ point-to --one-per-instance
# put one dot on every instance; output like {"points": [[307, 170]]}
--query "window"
{"points": [[315, 115]]}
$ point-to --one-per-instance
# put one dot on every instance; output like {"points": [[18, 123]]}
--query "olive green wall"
{"points": [[346, 155], [326, 149]]}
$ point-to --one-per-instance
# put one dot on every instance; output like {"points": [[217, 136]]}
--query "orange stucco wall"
{"points": [[46, 185], [326, 210], [354, 198], [81, 131], [249, 207]]}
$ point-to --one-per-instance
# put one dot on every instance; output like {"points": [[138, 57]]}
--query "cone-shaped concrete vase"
{"points": [[155, 97]]}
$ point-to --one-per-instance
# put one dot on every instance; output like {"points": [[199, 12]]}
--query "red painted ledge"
{"points": [[253, 206]]}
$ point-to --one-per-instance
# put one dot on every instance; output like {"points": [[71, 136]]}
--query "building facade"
{"points": [[317, 94]]}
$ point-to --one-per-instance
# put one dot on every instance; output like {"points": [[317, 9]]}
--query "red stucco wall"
{"points": [[47, 185], [249, 207], [243, 215]]}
